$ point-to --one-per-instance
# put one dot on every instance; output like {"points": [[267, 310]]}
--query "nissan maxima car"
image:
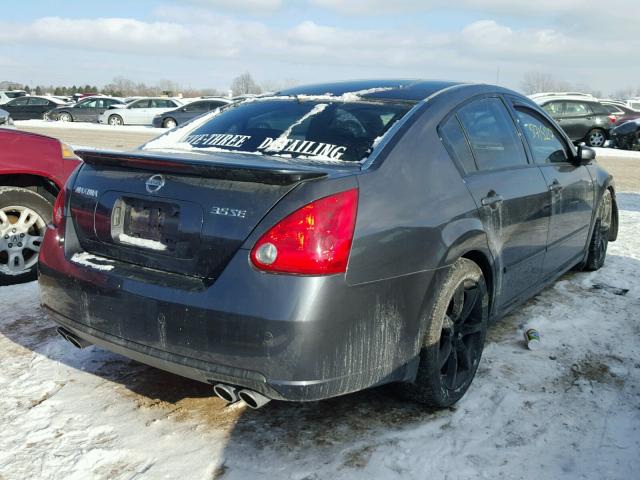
{"points": [[325, 239]]}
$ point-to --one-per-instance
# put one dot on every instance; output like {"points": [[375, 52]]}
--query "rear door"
{"points": [[571, 190], [577, 119], [511, 194], [137, 112], [37, 106], [84, 111]]}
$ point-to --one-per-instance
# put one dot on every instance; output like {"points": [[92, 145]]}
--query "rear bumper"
{"points": [[289, 338]]}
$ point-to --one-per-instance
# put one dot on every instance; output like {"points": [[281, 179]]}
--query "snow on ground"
{"points": [[569, 410], [88, 126], [615, 152]]}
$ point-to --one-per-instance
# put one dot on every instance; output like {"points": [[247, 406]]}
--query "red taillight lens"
{"points": [[613, 118], [58, 208], [313, 240]]}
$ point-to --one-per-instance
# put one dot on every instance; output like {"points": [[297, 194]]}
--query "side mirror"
{"points": [[585, 155], [184, 109]]}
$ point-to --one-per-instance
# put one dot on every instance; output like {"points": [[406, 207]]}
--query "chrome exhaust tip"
{"points": [[226, 392], [253, 399], [73, 339]]}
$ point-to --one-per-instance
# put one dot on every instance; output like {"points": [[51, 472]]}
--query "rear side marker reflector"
{"points": [[314, 240]]}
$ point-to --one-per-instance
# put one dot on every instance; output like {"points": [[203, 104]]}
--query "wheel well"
{"points": [[41, 185], [482, 261]]}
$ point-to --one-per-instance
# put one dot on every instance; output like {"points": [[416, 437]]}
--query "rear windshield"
{"points": [[318, 129]]}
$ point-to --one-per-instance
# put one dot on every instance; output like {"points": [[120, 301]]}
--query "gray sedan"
{"points": [[87, 110], [326, 239]]}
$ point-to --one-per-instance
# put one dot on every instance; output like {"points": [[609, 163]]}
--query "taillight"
{"points": [[58, 208], [613, 118], [313, 240]]}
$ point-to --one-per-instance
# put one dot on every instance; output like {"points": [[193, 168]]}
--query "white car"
{"points": [[8, 95], [138, 112]]}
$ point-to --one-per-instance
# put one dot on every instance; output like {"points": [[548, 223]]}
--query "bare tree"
{"points": [[244, 84], [537, 82], [276, 85]]}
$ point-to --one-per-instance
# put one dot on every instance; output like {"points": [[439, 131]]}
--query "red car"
{"points": [[33, 168]]}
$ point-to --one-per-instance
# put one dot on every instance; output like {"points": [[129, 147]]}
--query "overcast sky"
{"points": [[205, 43]]}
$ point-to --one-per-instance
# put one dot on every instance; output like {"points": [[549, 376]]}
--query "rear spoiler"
{"points": [[241, 172]]}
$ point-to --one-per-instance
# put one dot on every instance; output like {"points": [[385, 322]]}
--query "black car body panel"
{"points": [[425, 199]]}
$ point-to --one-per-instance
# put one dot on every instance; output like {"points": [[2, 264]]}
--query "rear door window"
{"points": [[492, 134], [457, 144], [545, 143], [38, 101], [554, 109], [141, 104], [161, 103], [197, 107], [576, 109]]}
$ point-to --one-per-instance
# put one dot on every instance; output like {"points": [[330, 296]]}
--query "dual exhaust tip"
{"points": [[228, 393], [231, 394]]}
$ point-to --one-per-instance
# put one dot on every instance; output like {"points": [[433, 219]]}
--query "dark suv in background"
{"points": [[581, 116]]}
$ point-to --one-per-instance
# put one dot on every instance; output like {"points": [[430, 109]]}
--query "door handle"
{"points": [[493, 200], [555, 186]]}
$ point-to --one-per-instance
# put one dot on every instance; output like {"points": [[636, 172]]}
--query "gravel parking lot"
{"points": [[570, 410]]}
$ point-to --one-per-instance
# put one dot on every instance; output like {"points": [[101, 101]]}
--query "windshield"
{"points": [[319, 129]]}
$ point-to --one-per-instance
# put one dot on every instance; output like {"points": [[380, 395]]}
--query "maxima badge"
{"points": [[154, 183]]}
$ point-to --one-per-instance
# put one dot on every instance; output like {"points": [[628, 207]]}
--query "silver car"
{"points": [[138, 112]]}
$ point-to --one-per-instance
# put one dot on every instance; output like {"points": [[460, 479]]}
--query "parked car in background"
{"points": [[326, 239], [620, 111], [187, 112], [86, 110], [33, 169], [627, 135], [8, 95], [31, 107], [581, 116], [5, 118], [633, 103], [138, 112]]}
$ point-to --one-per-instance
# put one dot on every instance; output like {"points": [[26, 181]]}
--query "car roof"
{"points": [[394, 89], [564, 98]]}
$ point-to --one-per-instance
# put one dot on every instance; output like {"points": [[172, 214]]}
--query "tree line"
{"points": [[243, 84]]}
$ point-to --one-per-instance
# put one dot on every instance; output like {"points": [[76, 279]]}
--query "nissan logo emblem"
{"points": [[154, 183]]}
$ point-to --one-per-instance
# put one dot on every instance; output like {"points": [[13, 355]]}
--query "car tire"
{"points": [[115, 120], [600, 237], [596, 138], [169, 123], [24, 215], [65, 117], [456, 328]]}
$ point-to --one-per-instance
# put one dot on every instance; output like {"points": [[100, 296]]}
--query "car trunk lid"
{"points": [[177, 212]]}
